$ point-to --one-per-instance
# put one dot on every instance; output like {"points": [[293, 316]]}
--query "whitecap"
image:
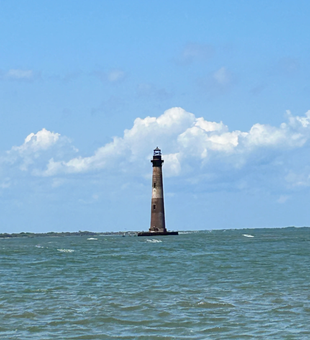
{"points": [[38, 246], [66, 250], [153, 240], [247, 235], [92, 239]]}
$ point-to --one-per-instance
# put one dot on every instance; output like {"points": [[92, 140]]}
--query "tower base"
{"points": [[158, 233]]}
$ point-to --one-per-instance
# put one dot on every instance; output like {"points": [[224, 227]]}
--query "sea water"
{"points": [[227, 284]]}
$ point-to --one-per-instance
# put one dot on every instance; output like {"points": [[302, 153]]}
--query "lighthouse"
{"points": [[158, 225], [157, 205]]}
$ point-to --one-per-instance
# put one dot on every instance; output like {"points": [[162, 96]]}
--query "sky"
{"points": [[89, 88]]}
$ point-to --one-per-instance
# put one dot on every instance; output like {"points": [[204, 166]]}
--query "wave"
{"points": [[66, 250]]}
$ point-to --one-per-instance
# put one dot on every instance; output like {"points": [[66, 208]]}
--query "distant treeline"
{"points": [[62, 234]]}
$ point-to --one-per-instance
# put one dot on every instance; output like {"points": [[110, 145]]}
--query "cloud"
{"points": [[113, 76], [41, 140], [194, 148], [282, 199], [195, 52], [222, 76], [285, 67], [116, 75], [5, 183], [37, 149], [150, 90], [111, 105], [258, 89], [218, 82], [298, 178], [17, 74], [71, 76], [189, 142]]}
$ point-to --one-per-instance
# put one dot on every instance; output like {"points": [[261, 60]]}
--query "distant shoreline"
{"points": [[63, 234], [117, 233]]}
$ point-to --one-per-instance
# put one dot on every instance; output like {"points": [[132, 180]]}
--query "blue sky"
{"points": [[89, 88]]}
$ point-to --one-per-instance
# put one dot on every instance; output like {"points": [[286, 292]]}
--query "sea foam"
{"points": [[66, 250], [247, 235]]}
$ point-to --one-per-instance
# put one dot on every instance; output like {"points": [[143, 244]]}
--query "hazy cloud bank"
{"points": [[18, 75], [112, 76], [195, 52]]}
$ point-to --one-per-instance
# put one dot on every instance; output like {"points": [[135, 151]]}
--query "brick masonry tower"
{"points": [[158, 226], [157, 206]]}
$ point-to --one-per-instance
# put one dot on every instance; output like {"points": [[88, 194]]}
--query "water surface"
{"points": [[233, 284]]}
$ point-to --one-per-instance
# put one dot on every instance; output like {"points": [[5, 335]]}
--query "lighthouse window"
{"points": [[154, 185], [154, 206]]}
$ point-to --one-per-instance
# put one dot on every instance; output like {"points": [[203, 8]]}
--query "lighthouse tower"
{"points": [[157, 206], [158, 226]]}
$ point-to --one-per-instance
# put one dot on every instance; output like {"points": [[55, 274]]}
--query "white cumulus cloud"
{"points": [[199, 149], [186, 139], [41, 140], [37, 149]]}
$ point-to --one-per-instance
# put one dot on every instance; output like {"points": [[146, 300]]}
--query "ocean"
{"points": [[221, 284]]}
